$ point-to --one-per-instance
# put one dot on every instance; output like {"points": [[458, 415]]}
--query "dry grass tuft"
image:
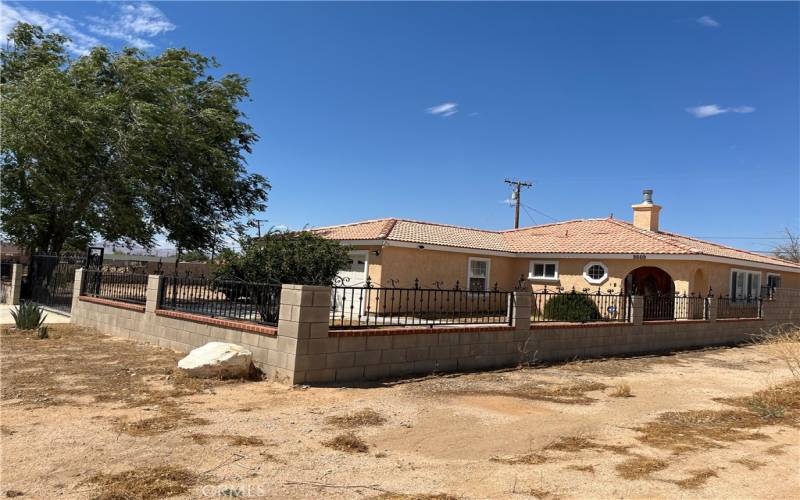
{"points": [[776, 450], [169, 418], [347, 442], [582, 468], [697, 479], [141, 484], [574, 393], [702, 429], [414, 496], [232, 439], [578, 443], [526, 459], [360, 418], [640, 467], [6, 430], [749, 463], [621, 390], [542, 494]]}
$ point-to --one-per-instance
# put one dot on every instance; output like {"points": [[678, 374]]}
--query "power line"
{"points": [[529, 215], [542, 213]]}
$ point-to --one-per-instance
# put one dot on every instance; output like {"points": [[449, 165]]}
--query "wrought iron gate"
{"points": [[50, 278]]}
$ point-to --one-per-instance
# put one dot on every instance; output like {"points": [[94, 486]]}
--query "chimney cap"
{"points": [[647, 196]]}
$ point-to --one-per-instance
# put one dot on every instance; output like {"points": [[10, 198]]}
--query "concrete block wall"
{"points": [[273, 353], [303, 350]]}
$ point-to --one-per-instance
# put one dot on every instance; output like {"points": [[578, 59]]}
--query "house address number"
{"points": [[639, 256]]}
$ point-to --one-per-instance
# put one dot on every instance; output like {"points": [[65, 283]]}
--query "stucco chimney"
{"points": [[645, 214]]}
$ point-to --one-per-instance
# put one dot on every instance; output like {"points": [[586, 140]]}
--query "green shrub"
{"points": [[42, 332], [28, 316], [299, 258], [571, 307]]}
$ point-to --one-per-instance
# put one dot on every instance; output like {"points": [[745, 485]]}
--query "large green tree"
{"points": [[121, 146]]}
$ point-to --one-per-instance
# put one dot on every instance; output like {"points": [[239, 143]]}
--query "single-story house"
{"points": [[607, 254]]}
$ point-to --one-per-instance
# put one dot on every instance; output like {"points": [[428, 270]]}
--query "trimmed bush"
{"points": [[571, 307]]}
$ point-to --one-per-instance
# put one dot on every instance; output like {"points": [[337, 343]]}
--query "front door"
{"points": [[350, 280]]}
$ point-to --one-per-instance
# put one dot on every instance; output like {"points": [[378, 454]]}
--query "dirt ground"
{"points": [[90, 416]]}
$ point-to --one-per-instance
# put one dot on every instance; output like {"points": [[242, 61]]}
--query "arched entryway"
{"points": [[657, 287]]}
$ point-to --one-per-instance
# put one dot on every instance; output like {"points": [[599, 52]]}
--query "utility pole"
{"points": [[258, 224], [515, 195]]}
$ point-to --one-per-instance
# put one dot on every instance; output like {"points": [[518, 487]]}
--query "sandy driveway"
{"points": [[85, 415]]}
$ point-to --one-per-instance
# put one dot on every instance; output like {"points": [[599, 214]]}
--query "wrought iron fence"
{"points": [[49, 280], [674, 307], [373, 306], [559, 305], [238, 300], [741, 308], [123, 287]]}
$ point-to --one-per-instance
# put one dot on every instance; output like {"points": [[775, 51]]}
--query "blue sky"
{"points": [[420, 110]]}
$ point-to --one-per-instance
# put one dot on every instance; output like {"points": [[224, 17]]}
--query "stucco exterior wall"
{"points": [[689, 276]]}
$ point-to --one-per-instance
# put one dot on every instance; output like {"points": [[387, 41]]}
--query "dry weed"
{"points": [[578, 443], [6, 430], [621, 390], [414, 496], [700, 429], [169, 418], [347, 442], [749, 463], [640, 467], [542, 494], [696, 479], [526, 459], [141, 484], [574, 393], [360, 418], [582, 468], [776, 450], [783, 342], [232, 439]]}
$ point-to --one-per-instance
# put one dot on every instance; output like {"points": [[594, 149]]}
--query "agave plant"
{"points": [[28, 316]]}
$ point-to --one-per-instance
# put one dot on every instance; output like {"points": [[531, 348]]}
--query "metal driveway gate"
{"points": [[50, 278]]}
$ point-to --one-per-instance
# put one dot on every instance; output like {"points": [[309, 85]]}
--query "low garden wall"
{"points": [[304, 349]]}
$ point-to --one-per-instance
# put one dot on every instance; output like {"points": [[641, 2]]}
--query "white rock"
{"points": [[217, 359]]}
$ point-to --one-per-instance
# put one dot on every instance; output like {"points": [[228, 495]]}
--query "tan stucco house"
{"points": [[599, 254]]}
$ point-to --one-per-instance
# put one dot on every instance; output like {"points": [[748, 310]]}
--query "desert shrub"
{"points": [[621, 390], [28, 316], [571, 307]]}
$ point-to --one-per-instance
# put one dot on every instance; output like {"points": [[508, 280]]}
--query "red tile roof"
{"points": [[587, 236]]}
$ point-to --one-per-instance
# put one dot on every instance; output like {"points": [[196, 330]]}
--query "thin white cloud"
{"points": [[708, 110], [708, 22], [10, 15], [131, 23], [444, 109]]}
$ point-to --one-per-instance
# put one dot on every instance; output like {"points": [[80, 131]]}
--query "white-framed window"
{"points": [[773, 280], [745, 284], [478, 274], [595, 273], [543, 270]]}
